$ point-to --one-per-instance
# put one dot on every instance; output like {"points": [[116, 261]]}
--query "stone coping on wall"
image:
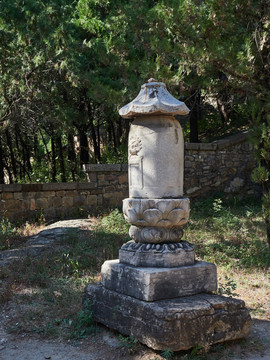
{"points": [[219, 144], [46, 187], [104, 167]]}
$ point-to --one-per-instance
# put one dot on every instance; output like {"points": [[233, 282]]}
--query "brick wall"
{"points": [[220, 166]]}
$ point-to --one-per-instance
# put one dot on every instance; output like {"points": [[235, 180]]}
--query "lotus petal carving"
{"points": [[152, 216], [156, 212], [175, 215]]}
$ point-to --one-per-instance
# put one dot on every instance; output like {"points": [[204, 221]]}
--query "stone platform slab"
{"points": [[151, 283], [177, 324]]}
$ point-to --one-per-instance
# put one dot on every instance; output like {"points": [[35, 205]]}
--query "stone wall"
{"points": [[106, 189], [221, 166]]}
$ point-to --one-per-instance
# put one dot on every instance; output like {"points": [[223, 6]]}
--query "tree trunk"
{"points": [[72, 155], [61, 159], [93, 133], [194, 115], [36, 150], [53, 160], [2, 175], [84, 151], [45, 145], [12, 157], [112, 136]]}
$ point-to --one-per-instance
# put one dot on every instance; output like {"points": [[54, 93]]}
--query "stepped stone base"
{"points": [[150, 283], [177, 324]]}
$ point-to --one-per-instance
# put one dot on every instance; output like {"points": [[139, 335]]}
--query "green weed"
{"points": [[167, 354], [228, 287], [7, 231], [129, 343], [82, 324], [115, 223]]}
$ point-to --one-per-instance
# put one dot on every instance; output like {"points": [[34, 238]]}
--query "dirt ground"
{"points": [[106, 345]]}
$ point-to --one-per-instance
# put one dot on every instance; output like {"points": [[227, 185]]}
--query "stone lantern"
{"points": [[156, 291]]}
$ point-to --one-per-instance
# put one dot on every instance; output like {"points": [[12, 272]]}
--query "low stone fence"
{"points": [[107, 188], [221, 166]]}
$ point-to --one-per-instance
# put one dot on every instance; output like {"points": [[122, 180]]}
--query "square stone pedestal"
{"points": [[153, 283], [178, 324]]}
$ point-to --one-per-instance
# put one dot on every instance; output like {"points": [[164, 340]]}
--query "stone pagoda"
{"points": [[156, 291]]}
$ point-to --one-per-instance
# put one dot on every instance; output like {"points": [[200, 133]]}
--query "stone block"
{"points": [[31, 195], [12, 205], [177, 324], [55, 201], [78, 200], [92, 200], [7, 196], [100, 199], [18, 195], [50, 193], [51, 187], [31, 187], [67, 202], [86, 186], [122, 179], [191, 147], [24, 204], [101, 167], [32, 204], [152, 283], [10, 187], [61, 193], [157, 255], [91, 178], [42, 203], [124, 167]]}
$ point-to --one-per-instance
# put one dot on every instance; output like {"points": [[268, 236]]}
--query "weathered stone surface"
{"points": [[155, 235], [156, 171], [157, 255], [177, 324], [156, 212], [150, 284], [154, 98]]}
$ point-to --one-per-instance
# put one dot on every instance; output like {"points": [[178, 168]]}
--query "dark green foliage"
{"points": [[65, 67]]}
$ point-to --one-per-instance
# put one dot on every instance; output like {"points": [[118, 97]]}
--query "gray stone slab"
{"points": [[150, 284], [101, 167], [157, 255], [177, 324]]}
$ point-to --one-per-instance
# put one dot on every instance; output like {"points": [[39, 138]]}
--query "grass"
{"points": [[12, 235], [47, 290]]}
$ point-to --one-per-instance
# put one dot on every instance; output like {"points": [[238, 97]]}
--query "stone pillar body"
{"points": [[156, 157]]}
